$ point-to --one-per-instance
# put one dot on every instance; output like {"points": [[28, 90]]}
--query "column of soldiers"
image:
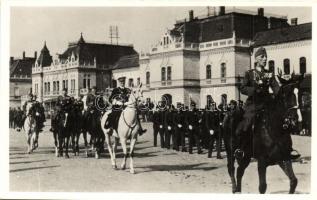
{"points": [[183, 127]]}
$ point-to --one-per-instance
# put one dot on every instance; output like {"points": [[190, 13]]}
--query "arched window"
{"points": [[287, 69], [114, 83], [169, 73], [208, 72], [131, 84], [272, 66], [302, 65], [223, 70], [163, 74], [147, 78]]}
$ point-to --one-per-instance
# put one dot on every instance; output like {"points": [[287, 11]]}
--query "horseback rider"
{"points": [[30, 103], [118, 98], [65, 103], [256, 86]]}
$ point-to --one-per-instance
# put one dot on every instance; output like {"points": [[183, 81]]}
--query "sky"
{"points": [[140, 26]]}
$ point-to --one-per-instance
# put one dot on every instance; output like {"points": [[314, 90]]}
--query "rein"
{"points": [[133, 103]]}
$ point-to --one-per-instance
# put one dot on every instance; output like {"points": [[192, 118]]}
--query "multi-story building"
{"points": [[204, 57], [20, 78], [81, 66]]}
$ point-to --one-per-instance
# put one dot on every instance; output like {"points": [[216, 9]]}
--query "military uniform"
{"points": [[156, 128], [162, 126], [179, 133], [192, 121], [168, 127]]}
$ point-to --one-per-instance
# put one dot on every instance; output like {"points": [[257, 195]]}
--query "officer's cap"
{"points": [[122, 79], [30, 95], [260, 51]]}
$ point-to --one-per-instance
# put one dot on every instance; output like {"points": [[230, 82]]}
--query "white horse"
{"points": [[30, 128], [128, 129]]}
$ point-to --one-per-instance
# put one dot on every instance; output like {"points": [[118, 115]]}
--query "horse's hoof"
{"points": [[132, 171], [114, 167], [122, 167], [97, 156]]}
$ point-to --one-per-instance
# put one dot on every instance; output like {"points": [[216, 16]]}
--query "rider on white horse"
{"points": [[118, 98]]}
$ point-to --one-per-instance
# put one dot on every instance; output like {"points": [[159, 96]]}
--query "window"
{"points": [[147, 78], [36, 88], [84, 85], [287, 69], [272, 66], [223, 70], [163, 74], [64, 82], [208, 72], [88, 83], [169, 73], [114, 83], [131, 82], [138, 81], [48, 87], [57, 87], [72, 85], [16, 91], [54, 87], [45, 88], [302, 65]]}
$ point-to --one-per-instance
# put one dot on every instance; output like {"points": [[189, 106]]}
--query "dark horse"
{"points": [[63, 129], [76, 124], [269, 139], [92, 125]]}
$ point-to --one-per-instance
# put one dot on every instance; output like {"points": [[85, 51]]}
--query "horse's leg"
{"points": [[123, 142], [262, 175], [242, 165], [77, 141], [66, 146], [86, 142], [60, 143], [132, 144], [288, 170], [230, 164], [111, 151]]}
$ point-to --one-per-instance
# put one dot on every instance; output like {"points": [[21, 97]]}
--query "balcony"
{"points": [[175, 46]]}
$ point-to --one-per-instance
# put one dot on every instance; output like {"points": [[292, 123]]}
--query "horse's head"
{"points": [[286, 92], [135, 95]]}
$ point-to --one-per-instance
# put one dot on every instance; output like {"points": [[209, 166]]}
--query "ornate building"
{"points": [[204, 57], [81, 66]]}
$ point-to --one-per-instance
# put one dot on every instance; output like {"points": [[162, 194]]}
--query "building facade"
{"points": [[202, 58], [20, 79]]}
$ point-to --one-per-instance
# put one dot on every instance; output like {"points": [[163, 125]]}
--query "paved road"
{"points": [[157, 170]]}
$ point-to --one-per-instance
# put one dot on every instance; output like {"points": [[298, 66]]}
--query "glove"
{"points": [[211, 132], [179, 126], [190, 127], [169, 128], [37, 114], [161, 126]]}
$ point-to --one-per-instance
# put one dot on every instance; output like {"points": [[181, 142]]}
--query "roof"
{"points": [[105, 54], [282, 35], [218, 27], [22, 67], [127, 62], [45, 59]]}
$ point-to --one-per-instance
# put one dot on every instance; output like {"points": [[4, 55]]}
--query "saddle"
{"points": [[113, 119]]}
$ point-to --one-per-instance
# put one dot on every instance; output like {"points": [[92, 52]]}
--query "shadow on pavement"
{"points": [[26, 162], [151, 168], [33, 168]]}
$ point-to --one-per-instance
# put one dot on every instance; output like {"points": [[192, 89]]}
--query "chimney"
{"points": [[191, 15], [23, 54], [222, 10], [261, 12], [294, 21], [11, 60], [35, 55]]}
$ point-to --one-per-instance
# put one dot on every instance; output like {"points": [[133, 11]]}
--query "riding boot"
{"points": [[141, 130], [239, 153]]}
